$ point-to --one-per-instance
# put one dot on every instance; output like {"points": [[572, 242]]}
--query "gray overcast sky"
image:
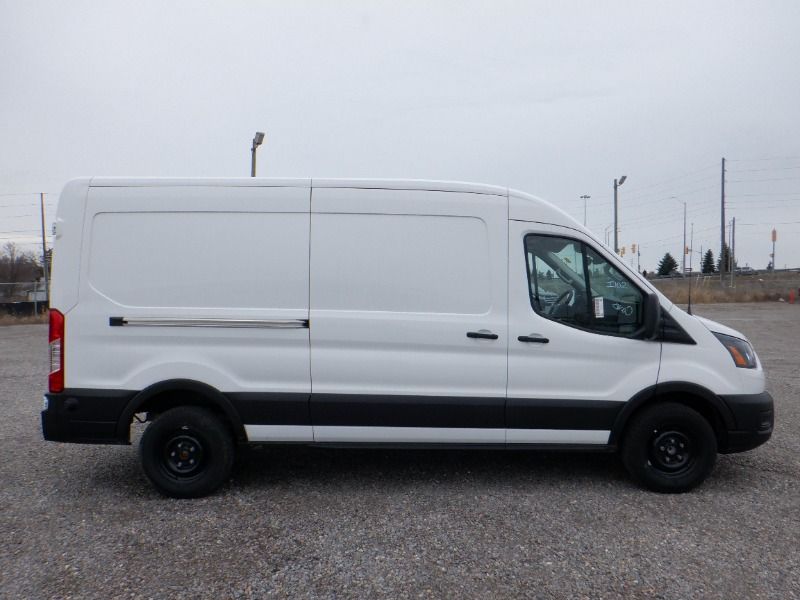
{"points": [[553, 98]]}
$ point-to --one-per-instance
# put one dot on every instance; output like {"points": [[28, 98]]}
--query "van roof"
{"points": [[383, 184]]}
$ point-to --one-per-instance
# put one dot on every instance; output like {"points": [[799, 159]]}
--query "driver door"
{"points": [[575, 352]]}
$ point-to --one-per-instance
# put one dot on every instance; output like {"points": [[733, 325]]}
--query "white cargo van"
{"points": [[334, 312]]}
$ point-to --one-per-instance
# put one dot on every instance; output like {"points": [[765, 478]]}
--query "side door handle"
{"points": [[483, 334], [533, 338]]}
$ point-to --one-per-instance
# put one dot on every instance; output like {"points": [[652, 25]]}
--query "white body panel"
{"points": [[399, 278], [67, 244], [192, 252], [707, 363]]}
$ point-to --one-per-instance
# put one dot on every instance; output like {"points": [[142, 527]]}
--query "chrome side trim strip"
{"points": [[203, 322]]}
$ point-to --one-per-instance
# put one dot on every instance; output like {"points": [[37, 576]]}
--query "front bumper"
{"points": [[754, 417]]}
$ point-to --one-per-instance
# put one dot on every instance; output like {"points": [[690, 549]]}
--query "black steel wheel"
{"points": [[187, 452], [669, 447]]}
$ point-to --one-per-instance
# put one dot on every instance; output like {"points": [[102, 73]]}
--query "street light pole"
{"points": [[257, 141], [584, 198], [616, 221]]}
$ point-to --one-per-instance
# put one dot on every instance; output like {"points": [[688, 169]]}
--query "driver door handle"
{"points": [[534, 338]]}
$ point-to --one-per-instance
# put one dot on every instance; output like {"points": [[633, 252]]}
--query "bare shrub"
{"points": [[11, 320], [747, 289]]}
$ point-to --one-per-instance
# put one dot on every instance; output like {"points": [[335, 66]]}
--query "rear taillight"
{"points": [[56, 337]]}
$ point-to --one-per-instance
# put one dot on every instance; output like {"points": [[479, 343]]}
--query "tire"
{"points": [[187, 452], [669, 448]]}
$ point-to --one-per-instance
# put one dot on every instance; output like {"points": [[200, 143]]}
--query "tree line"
{"points": [[17, 267], [669, 266]]}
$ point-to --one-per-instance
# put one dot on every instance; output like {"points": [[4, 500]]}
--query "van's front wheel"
{"points": [[187, 452], [669, 447]]}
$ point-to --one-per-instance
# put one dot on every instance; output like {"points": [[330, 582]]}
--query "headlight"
{"points": [[741, 351]]}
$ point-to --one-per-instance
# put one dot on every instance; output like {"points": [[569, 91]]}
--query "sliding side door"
{"points": [[408, 316]]}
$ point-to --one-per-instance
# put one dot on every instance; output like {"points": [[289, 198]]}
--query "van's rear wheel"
{"points": [[669, 447], [187, 452]]}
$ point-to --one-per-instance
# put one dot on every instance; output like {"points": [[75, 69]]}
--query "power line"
{"points": [[30, 193], [760, 180], [771, 223], [658, 196], [766, 169], [757, 207], [671, 179], [763, 159], [758, 194], [762, 232], [25, 204], [680, 235], [668, 216]]}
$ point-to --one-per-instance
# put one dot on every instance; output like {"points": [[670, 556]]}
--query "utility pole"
{"points": [[44, 255], [685, 247], [730, 247], [722, 220], [702, 256], [616, 220], [584, 198], [774, 239], [691, 271]]}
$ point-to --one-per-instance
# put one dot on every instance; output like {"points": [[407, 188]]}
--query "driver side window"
{"points": [[572, 284]]}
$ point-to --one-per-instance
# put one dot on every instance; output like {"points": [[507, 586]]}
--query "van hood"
{"points": [[715, 327]]}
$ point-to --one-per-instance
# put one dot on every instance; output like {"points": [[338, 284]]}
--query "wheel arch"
{"points": [[180, 392], [695, 396]]}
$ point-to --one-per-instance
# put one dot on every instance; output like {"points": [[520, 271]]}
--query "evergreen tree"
{"points": [[668, 265], [708, 262], [722, 263]]}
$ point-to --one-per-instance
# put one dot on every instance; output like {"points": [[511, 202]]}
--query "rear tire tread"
{"points": [[217, 450]]}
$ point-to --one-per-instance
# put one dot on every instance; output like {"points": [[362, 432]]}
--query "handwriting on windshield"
{"points": [[622, 309]]}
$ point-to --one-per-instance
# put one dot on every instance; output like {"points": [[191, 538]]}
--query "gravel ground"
{"points": [[82, 521]]}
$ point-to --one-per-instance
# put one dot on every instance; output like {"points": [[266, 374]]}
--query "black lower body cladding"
{"points": [[85, 416], [103, 416], [754, 415]]}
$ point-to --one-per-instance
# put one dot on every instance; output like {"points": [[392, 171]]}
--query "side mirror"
{"points": [[652, 316]]}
